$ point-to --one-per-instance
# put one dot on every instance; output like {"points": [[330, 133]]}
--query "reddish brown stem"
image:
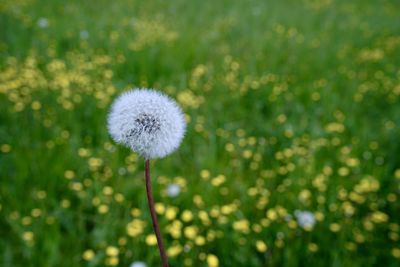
{"points": [[156, 228]]}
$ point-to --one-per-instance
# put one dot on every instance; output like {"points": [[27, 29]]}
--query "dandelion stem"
{"points": [[156, 228]]}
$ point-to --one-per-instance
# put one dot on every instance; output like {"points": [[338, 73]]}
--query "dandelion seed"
{"points": [[43, 23], [84, 35], [305, 219], [173, 190], [138, 264], [148, 122]]}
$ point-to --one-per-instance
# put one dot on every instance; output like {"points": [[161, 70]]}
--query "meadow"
{"points": [[292, 151]]}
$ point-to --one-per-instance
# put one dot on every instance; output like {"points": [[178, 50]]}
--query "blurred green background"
{"points": [[292, 155]]}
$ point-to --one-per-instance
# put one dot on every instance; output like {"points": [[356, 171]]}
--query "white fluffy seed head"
{"points": [[173, 190], [306, 219], [138, 264], [148, 122]]}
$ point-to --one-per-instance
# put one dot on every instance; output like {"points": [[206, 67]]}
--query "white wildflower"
{"points": [[43, 23], [306, 219], [173, 190], [84, 35], [138, 264], [148, 122]]}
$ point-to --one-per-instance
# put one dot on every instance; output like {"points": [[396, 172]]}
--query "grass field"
{"points": [[292, 154]]}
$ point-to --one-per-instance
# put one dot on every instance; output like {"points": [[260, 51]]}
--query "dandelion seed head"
{"points": [[138, 264], [148, 122], [306, 219], [173, 190], [84, 34], [43, 22]]}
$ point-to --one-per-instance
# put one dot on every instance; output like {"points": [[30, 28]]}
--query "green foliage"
{"points": [[291, 106]]}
